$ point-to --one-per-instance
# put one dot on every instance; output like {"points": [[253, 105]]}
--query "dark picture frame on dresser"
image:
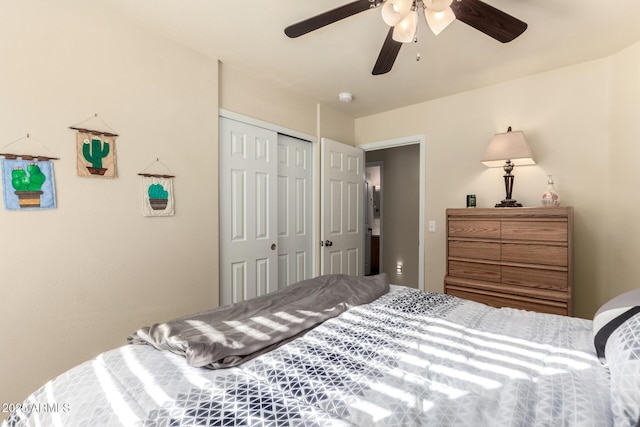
{"points": [[512, 257]]}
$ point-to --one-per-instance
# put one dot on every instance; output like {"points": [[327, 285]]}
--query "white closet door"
{"points": [[294, 210], [342, 227], [248, 215]]}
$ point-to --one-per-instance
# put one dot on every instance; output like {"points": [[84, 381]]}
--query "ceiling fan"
{"points": [[402, 17]]}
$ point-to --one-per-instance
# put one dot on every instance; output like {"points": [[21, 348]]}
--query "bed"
{"points": [[374, 354]]}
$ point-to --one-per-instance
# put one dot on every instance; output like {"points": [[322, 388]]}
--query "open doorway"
{"points": [[394, 213], [373, 217]]}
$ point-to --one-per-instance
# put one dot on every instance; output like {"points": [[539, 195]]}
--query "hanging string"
{"points": [[17, 140], [28, 156], [79, 127], [157, 161]]}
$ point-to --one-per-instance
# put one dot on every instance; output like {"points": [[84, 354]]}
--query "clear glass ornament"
{"points": [[551, 196]]}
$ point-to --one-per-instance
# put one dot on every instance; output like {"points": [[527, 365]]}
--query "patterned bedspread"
{"points": [[409, 358]]}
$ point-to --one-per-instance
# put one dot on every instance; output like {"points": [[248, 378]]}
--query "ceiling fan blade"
{"points": [[387, 56], [489, 20], [303, 27]]}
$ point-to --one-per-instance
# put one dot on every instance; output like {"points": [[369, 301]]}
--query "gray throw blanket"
{"points": [[227, 336]]}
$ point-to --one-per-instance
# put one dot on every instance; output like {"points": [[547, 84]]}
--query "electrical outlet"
{"points": [[432, 226]]}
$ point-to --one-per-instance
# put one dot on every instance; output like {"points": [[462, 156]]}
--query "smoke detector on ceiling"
{"points": [[345, 97]]}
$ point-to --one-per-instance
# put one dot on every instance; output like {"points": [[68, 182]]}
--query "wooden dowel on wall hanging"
{"points": [[153, 175], [93, 132], [27, 157]]}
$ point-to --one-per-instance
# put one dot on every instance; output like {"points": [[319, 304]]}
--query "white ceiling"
{"points": [[248, 35]]}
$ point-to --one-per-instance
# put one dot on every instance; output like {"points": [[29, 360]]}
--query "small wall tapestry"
{"points": [[96, 151], [157, 191], [28, 181]]}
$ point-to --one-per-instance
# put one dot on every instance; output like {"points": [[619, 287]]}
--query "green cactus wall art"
{"points": [[158, 199], [28, 184], [95, 153]]}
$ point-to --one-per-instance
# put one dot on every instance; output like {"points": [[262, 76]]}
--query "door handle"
{"points": [[273, 246], [328, 243]]}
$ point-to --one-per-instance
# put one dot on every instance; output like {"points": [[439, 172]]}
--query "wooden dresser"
{"points": [[511, 257]]}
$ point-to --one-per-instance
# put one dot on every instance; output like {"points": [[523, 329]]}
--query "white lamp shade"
{"points": [[394, 11], [438, 21], [405, 30], [437, 5], [508, 146]]}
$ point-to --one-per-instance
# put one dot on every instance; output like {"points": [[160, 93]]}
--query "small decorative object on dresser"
{"points": [[471, 200], [511, 257], [551, 196]]}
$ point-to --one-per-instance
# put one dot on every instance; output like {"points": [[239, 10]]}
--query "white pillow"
{"points": [[623, 359], [616, 335], [611, 315]]}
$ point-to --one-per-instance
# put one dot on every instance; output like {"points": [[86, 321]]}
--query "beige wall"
{"points": [[79, 279], [580, 123], [622, 250], [255, 98], [400, 211], [335, 125]]}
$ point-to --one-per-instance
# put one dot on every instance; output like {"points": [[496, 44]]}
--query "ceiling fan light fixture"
{"points": [[437, 5], [439, 20], [475, 13], [394, 11], [405, 30]]}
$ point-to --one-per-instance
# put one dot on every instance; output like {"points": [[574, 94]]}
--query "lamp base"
{"points": [[509, 203]]}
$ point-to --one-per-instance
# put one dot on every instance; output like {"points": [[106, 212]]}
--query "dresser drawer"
{"points": [[535, 278], [535, 254], [548, 231], [506, 300], [476, 271], [476, 229], [474, 250]]}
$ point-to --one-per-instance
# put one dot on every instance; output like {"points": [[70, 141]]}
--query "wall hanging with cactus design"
{"points": [[158, 195], [96, 149], [28, 182], [157, 191], [96, 153]]}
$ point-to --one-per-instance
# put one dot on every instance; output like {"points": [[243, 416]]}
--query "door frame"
{"points": [[315, 184], [399, 142]]}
